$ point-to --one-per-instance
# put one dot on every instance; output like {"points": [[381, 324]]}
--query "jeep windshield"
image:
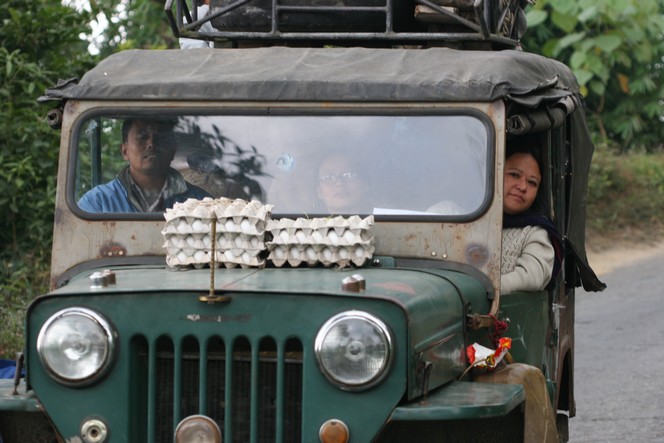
{"points": [[394, 166]]}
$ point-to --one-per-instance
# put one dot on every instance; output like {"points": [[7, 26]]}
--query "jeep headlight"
{"points": [[354, 350], [75, 345]]}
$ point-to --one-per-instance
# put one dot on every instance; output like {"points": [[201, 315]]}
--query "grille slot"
{"points": [[252, 390]]}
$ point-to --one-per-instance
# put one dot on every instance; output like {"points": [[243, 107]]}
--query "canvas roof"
{"points": [[327, 74]]}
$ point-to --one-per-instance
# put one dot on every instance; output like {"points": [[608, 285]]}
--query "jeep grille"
{"points": [[252, 391]]}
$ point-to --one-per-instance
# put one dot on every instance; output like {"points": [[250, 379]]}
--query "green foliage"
{"points": [[626, 193], [31, 56], [616, 50], [138, 24], [39, 40], [24, 276]]}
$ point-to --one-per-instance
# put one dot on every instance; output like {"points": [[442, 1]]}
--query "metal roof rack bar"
{"points": [[493, 21]]}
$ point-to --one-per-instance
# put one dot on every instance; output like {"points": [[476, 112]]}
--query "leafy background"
{"points": [[616, 50], [615, 47]]}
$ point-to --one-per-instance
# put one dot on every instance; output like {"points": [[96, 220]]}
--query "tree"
{"points": [[40, 42], [137, 24], [33, 52], [616, 50]]}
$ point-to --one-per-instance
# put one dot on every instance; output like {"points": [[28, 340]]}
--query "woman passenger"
{"points": [[532, 249], [532, 253], [342, 188]]}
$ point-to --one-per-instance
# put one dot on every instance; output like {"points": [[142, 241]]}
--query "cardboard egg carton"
{"points": [[329, 241], [238, 227]]}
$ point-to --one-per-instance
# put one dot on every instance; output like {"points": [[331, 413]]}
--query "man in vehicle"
{"points": [[147, 183]]}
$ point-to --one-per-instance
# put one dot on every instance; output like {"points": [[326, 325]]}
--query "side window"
{"points": [[99, 156]]}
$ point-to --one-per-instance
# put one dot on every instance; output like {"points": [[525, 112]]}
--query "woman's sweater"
{"points": [[527, 259]]}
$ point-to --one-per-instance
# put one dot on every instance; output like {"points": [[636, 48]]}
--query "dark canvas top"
{"points": [[350, 75], [329, 74]]}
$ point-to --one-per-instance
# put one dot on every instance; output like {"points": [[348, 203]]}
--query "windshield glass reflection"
{"points": [[313, 165]]}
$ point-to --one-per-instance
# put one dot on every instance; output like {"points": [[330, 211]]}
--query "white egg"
{"points": [[349, 236], [207, 243], [317, 237], [190, 240], [238, 242], [183, 226], [197, 226], [246, 226], [279, 252]]}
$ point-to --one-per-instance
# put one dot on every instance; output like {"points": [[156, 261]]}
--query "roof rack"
{"points": [[495, 23]]}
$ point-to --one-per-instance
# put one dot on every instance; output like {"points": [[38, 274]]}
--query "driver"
{"points": [[147, 183]]}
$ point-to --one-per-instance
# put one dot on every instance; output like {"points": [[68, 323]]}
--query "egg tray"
{"points": [[328, 241], [246, 236]]}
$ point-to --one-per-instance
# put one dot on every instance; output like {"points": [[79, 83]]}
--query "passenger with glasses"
{"points": [[342, 187]]}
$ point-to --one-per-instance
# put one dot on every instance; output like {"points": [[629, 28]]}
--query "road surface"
{"points": [[619, 357]]}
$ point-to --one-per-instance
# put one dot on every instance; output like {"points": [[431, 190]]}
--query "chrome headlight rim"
{"points": [[110, 341], [198, 423], [372, 320]]}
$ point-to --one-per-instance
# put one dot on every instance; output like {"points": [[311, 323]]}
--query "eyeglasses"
{"points": [[346, 177]]}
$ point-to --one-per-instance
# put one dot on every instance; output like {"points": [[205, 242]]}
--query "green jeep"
{"points": [[424, 97]]}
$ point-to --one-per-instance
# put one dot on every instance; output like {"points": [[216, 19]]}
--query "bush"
{"points": [[615, 49], [626, 196], [25, 276], [39, 41]]}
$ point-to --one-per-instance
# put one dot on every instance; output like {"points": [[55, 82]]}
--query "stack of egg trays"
{"points": [[328, 241], [240, 233]]}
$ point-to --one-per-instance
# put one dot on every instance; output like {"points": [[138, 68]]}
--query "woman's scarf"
{"points": [[530, 219]]}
